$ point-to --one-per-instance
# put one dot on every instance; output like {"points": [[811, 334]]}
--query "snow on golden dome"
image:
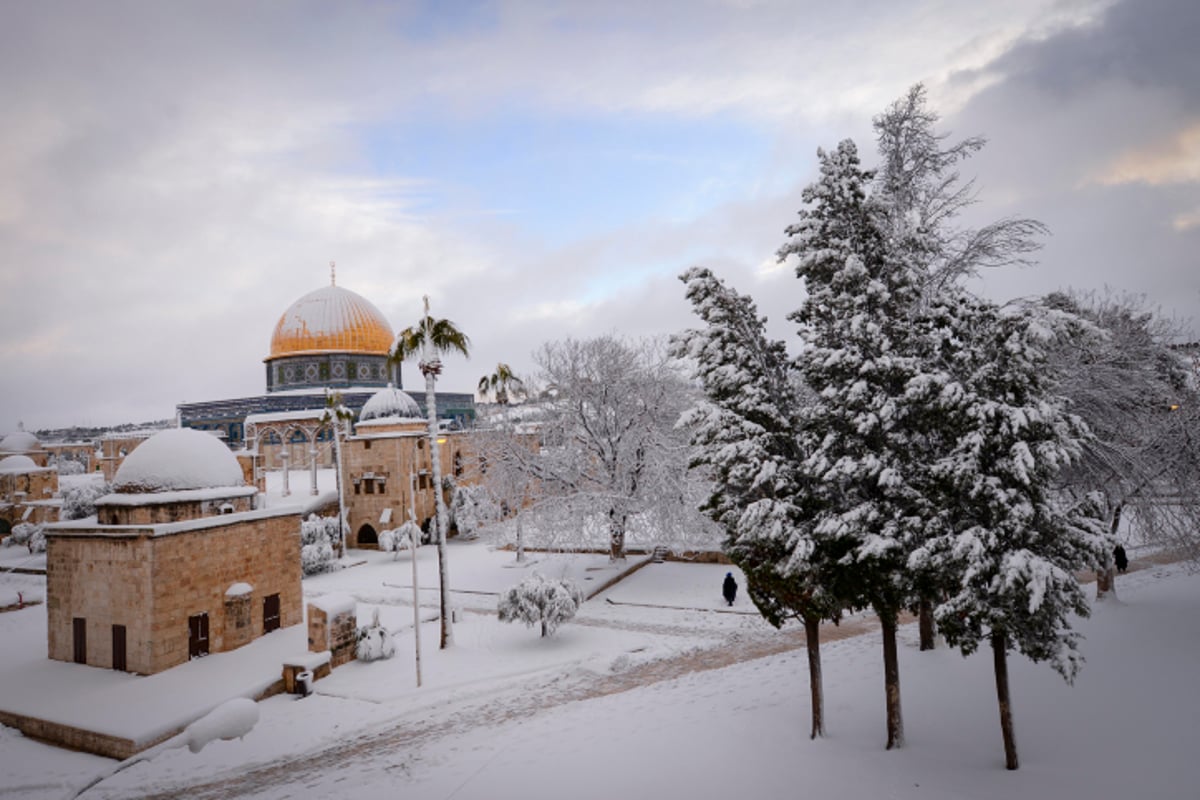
{"points": [[331, 319]]}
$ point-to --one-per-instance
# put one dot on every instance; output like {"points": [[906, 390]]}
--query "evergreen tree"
{"points": [[1001, 529], [859, 462], [745, 436]]}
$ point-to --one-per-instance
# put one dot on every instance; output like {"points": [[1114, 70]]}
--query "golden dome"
{"points": [[331, 319]]}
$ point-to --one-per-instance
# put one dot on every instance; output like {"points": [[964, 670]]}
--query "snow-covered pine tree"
{"points": [[1001, 529], [860, 455], [539, 600], [745, 437]]}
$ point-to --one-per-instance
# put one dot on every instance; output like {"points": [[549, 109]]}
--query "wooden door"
{"points": [[197, 635], [118, 648], [270, 613], [79, 633]]}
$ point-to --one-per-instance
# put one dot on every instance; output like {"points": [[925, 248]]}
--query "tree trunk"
{"points": [[1000, 659], [440, 505], [925, 624], [891, 681], [812, 638], [520, 541], [543, 629], [616, 536], [337, 453], [1106, 579]]}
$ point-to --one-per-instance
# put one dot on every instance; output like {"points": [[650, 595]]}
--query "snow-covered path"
{"points": [[731, 720]]}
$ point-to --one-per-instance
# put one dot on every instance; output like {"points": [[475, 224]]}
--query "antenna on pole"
{"points": [[332, 273]]}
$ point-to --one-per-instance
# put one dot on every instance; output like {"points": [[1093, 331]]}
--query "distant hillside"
{"points": [[79, 433]]}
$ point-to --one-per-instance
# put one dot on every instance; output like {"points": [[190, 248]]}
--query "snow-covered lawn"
{"points": [[499, 715]]}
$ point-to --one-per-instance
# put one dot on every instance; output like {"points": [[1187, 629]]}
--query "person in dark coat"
{"points": [[729, 588], [1120, 558]]}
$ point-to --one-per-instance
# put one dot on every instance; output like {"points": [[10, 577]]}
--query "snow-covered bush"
{"points": [[374, 641], [27, 534], [67, 466], [471, 508], [318, 538], [397, 539], [537, 599], [79, 501]]}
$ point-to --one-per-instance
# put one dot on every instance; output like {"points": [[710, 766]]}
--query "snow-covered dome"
{"points": [[331, 319], [19, 442], [17, 464], [390, 402], [181, 458]]}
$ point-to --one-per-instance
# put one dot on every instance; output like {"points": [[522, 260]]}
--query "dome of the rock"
{"points": [[178, 459], [331, 319]]}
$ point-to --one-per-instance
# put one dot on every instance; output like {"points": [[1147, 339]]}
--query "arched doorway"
{"points": [[367, 537]]}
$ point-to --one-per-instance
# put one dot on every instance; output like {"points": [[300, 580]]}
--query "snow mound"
{"points": [[17, 464], [390, 402], [19, 442], [240, 589], [181, 458]]}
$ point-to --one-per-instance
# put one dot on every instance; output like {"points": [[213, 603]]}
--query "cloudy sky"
{"points": [[173, 175]]}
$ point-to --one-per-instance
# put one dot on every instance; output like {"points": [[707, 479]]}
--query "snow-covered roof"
{"points": [[267, 417], [390, 403], [161, 496], [180, 458], [19, 442], [334, 603], [17, 464], [88, 527]]}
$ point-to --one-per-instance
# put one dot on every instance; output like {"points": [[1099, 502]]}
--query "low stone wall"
{"points": [[73, 738]]}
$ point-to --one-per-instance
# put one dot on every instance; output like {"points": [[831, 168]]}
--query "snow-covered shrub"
{"points": [[537, 599], [79, 501], [27, 534], [471, 508], [67, 466], [397, 539], [374, 641], [318, 538]]}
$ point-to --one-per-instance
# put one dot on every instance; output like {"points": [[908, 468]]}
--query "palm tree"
{"points": [[501, 384], [428, 339], [337, 414]]}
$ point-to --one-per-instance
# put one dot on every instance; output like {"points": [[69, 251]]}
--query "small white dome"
{"points": [[17, 464], [390, 402], [19, 442], [181, 458]]}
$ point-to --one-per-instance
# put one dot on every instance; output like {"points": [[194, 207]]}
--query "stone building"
{"points": [[28, 485], [387, 469], [177, 563]]}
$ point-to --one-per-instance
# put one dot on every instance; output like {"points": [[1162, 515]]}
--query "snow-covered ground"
{"points": [[507, 714]]}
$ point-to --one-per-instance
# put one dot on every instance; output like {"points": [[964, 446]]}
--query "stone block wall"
{"points": [[338, 635], [152, 581]]}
